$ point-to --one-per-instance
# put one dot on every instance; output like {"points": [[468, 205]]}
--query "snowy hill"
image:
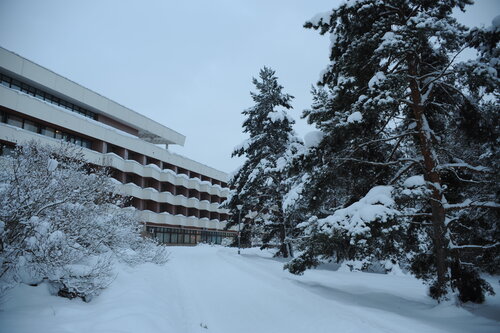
{"points": [[212, 289]]}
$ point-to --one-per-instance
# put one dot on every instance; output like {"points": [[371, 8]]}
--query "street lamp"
{"points": [[240, 207]]}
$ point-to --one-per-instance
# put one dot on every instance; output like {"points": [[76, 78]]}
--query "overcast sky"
{"points": [[185, 64]]}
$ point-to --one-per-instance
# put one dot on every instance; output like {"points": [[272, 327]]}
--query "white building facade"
{"points": [[177, 198]]}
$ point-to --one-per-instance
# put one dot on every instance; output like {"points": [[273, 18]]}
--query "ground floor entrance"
{"points": [[184, 236]]}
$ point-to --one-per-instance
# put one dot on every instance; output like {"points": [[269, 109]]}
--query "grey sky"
{"points": [[185, 64]]}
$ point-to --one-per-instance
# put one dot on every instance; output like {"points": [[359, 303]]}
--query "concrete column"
{"points": [[142, 159], [140, 181], [123, 177], [101, 146]]}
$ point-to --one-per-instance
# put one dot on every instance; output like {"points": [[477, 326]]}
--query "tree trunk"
{"points": [[434, 179], [283, 245]]}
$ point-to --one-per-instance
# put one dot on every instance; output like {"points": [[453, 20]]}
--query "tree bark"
{"points": [[434, 179], [283, 245]]}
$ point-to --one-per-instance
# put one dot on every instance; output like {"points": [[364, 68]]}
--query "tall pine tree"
{"points": [[260, 184], [394, 104]]}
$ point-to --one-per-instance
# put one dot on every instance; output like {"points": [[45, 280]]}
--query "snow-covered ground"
{"points": [[212, 289]]}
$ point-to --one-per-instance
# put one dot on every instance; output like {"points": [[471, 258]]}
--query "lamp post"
{"points": [[240, 207], [217, 231]]}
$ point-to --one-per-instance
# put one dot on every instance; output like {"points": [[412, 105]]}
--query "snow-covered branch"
{"points": [[50, 205], [471, 204], [402, 135], [467, 166], [389, 163], [402, 171], [489, 246]]}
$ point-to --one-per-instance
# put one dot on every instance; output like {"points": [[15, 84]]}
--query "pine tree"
{"points": [[259, 185], [394, 103]]}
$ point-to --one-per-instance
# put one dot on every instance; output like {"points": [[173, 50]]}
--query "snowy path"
{"points": [[251, 293], [212, 289]]}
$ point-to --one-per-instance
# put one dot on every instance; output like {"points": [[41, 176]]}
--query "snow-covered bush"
{"points": [[227, 241], [62, 222]]}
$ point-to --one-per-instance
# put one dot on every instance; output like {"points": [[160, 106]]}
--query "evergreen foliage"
{"points": [[397, 111], [259, 185]]}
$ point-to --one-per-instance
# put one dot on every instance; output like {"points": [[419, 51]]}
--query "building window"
{"points": [[39, 94], [15, 121], [35, 127], [48, 131], [7, 81], [86, 144], [14, 84], [173, 238], [58, 135], [30, 126], [187, 236]]}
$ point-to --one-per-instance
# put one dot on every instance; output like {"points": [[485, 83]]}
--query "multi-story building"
{"points": [[177, 198]]}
